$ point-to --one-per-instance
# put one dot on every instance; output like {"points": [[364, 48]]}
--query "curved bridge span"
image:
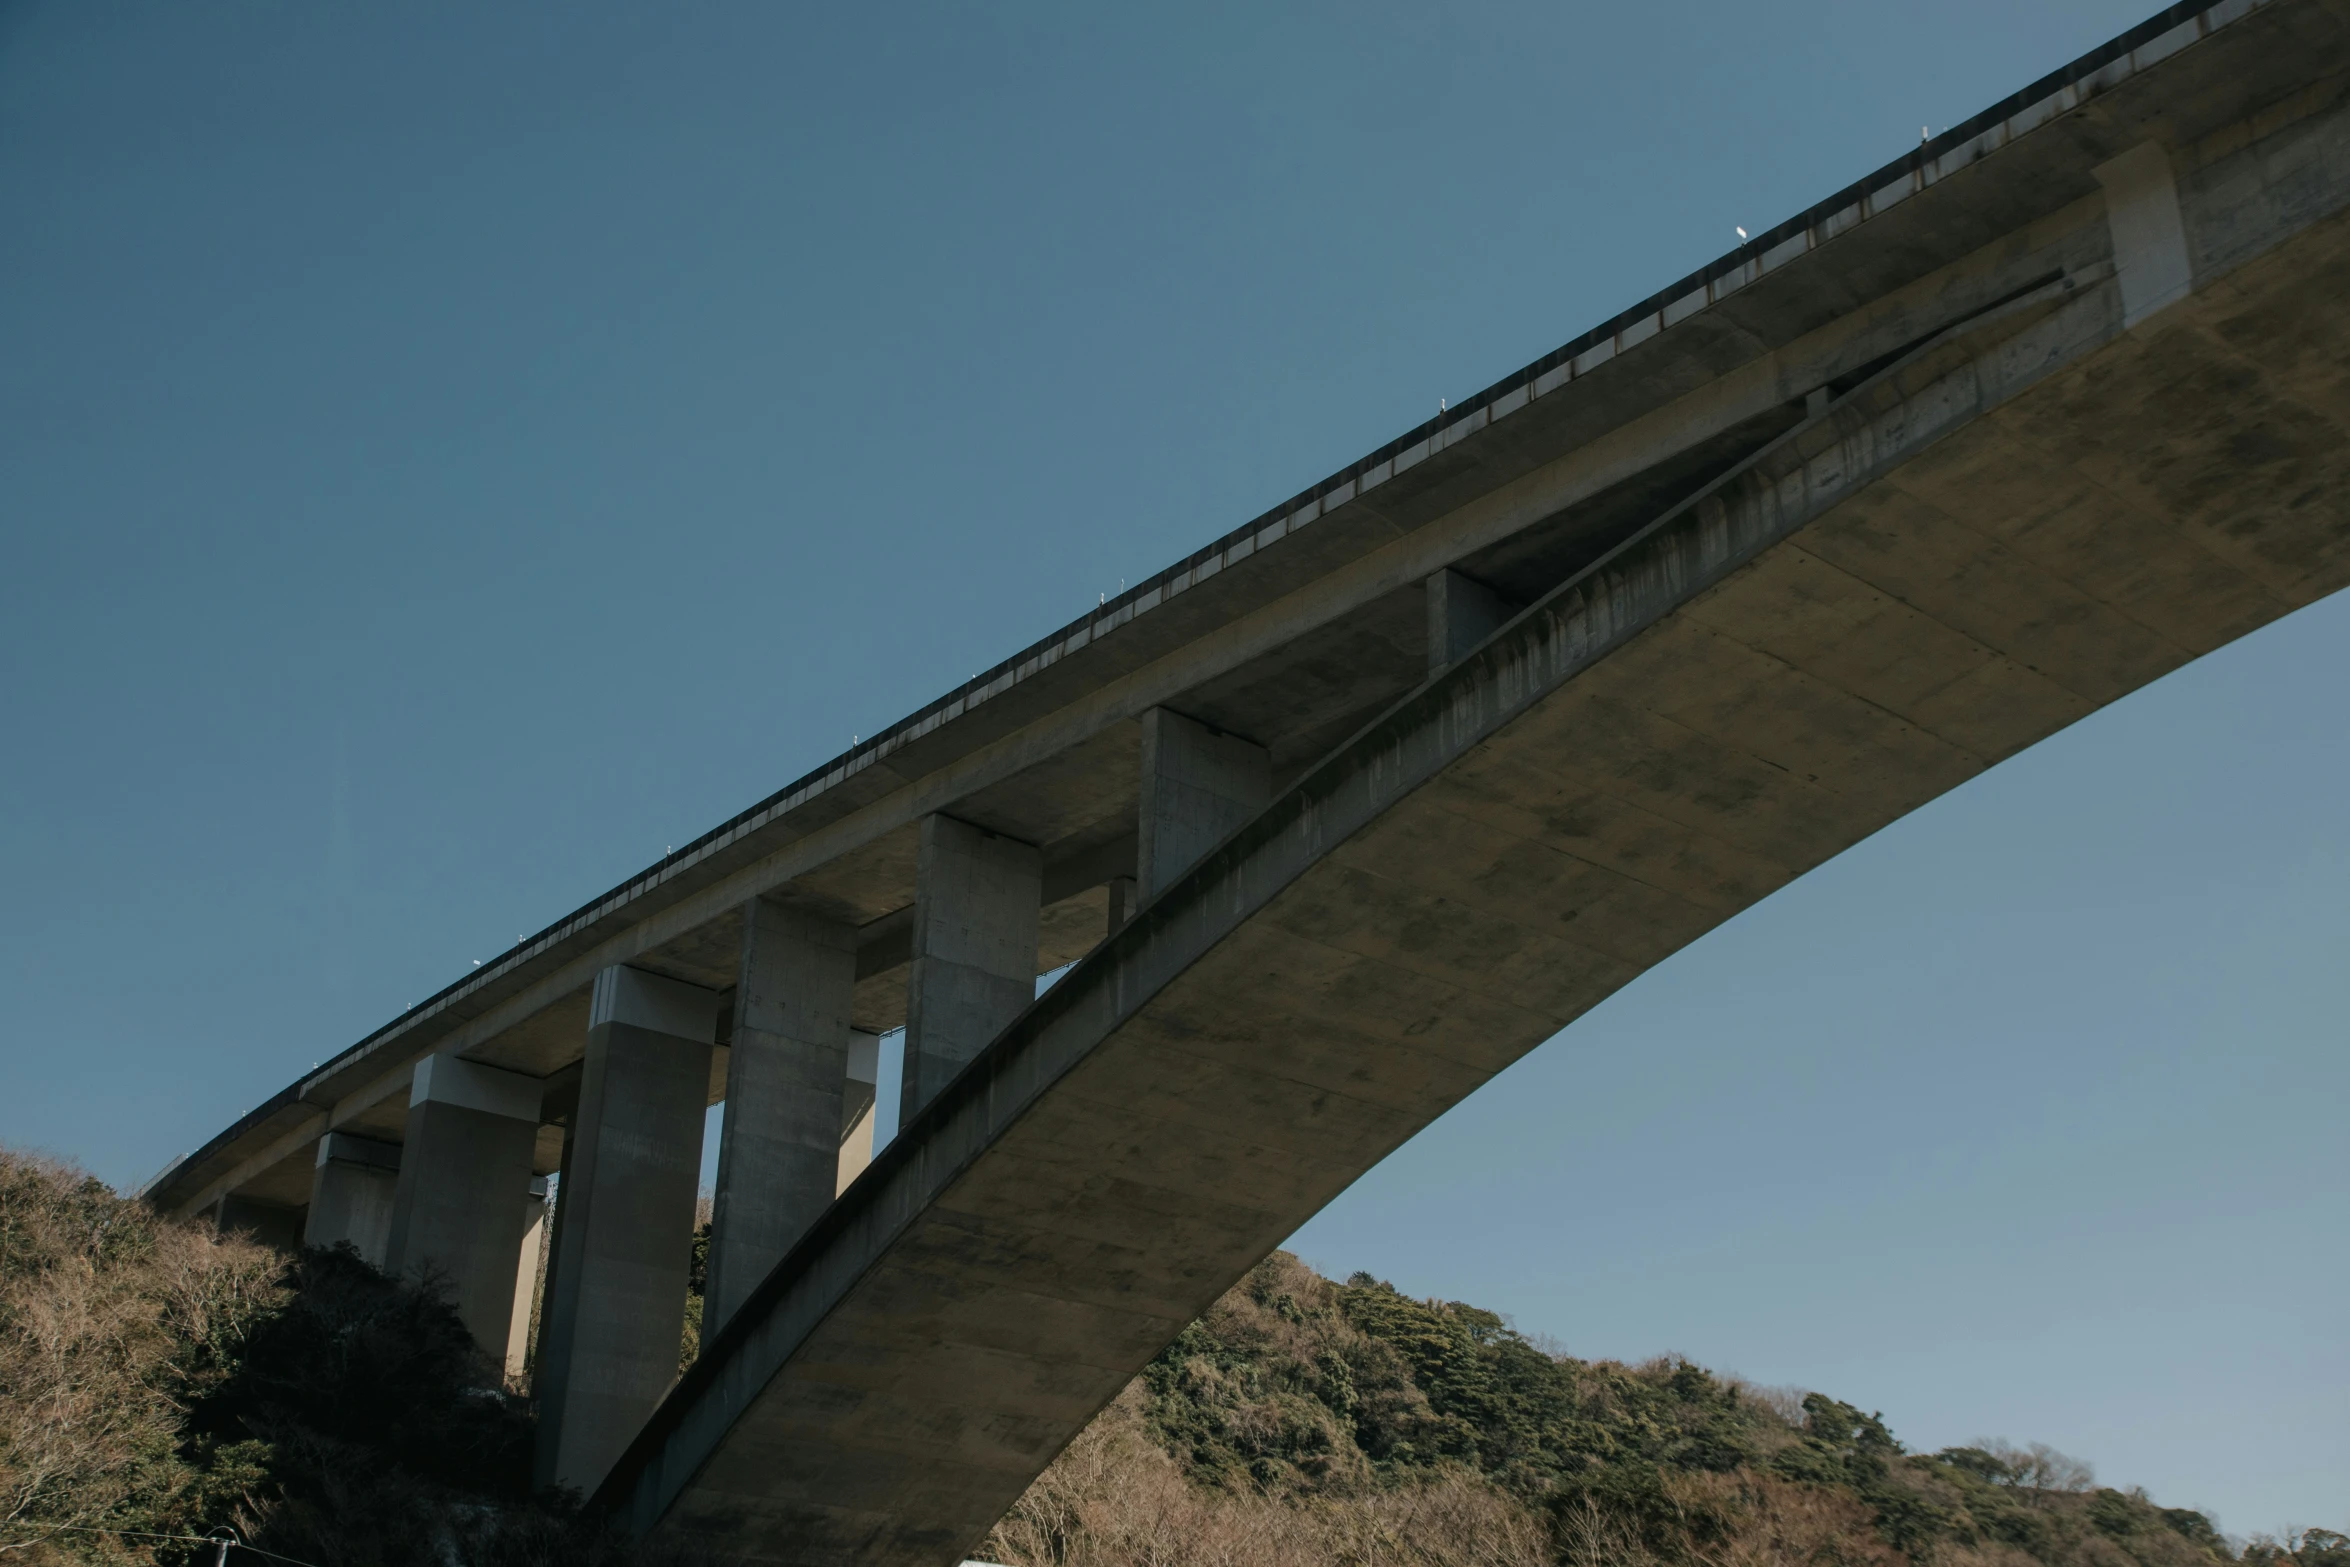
{"points": [[1378, 794], [2026, 517]]}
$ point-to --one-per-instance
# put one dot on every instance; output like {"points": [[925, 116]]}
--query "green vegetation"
{"points": [[158, 1382], [1299, 1408]]}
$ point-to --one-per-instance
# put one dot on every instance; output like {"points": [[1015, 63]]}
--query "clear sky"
{"points": [[446, 458]]}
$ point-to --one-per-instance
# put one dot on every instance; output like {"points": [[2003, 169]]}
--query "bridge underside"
{"points": [[2029, 517]]}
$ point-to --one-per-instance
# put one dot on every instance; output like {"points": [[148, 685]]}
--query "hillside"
{"points": [[158, 1382], [1303, 1419]]}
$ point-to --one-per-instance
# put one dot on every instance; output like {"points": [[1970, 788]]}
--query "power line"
{"points": [[198, 1539]]}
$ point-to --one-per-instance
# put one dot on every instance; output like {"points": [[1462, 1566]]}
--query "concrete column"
{"points": [[977, 898], [351, 1195], [1125, 896], [457, 1213], [614, 1311], [1462, 613], [526, 1277], [786, 1075], [271, 1223], [2149, 239], [856, 1110], [1198, 785]]}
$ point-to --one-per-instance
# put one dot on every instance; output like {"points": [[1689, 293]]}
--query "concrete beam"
{"points": [[976, 900], [352, 1192], [1198, 786], [615, 1305], [457, 1213], [779, 1150]]}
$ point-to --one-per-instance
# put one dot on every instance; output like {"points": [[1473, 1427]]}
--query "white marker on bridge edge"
{"points": [[1741, 233]]}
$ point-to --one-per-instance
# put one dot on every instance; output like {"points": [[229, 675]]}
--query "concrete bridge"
{"points": [[1345, 813]]}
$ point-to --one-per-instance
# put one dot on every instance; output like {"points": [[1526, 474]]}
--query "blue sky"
{"points": [[448, 457]]}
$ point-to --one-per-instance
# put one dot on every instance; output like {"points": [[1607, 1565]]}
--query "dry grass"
{"points": [[105, 1315], [1115, 1499]]}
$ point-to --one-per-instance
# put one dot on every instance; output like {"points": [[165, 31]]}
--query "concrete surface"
{"points": [[615, 1302], [351, 1195], [974, 956], [1198, 785], [1462, 613], [779, 1152], [457, 1210]]}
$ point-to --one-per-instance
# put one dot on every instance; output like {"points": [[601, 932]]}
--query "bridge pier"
{"points": [[978, 897], [526, 1277], [860, 1102], [270, 1223], [457, 1210], [779, 1154], [615, 1304], [352, 1193], [1198, 786]]}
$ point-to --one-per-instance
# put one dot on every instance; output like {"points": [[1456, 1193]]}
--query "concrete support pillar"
{"points": [[457, 1213], [526, 1277], [614, 1312], [977, 898], [273, 1224], [1125, 897], [2149, 239], [786, 1078], [1198, 785], [352, 1190], [1462, 613], [857, 1109]]}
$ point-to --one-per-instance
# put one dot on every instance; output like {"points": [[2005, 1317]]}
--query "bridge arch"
{"points": [[2028, 515]]}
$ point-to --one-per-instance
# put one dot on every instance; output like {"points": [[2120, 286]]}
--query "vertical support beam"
{"points": [[273, 1224], [1462, 613], [857, 1109], [615, 1309], [2149, 239], [1125, 896], [779, 1150], [1198, 785], [977, 898], [457, 1213], [352, 1190], [561, 1106], [526, 1278]]}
